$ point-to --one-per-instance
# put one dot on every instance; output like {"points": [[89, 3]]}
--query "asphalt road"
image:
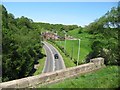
{"points": [[52, 64]]}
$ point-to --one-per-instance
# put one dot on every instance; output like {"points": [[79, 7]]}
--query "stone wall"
{"points": [[52, 77]]}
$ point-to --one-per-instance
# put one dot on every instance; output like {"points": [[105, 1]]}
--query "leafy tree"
{"points": [[21, 46], [105, 31]]}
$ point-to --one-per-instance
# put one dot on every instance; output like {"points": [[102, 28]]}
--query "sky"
{"points": [[68, 13]]}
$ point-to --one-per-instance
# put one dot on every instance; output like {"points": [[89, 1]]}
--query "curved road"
{"points": [[52, 64]]}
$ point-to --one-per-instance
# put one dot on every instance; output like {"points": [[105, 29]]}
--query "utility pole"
{"points": [[78, 51], [58, 39], [72, 51], [65, 43], [60, 42]]}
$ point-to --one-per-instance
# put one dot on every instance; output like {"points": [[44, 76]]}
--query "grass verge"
{"points": [[72, 48], [104, 78], [41, 63], [67, 61]]}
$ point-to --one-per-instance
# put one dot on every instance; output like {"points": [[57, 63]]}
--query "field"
{"points": [[104, 78], [71, 46]]}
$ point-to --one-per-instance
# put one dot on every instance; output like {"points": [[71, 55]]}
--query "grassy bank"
{"points": [[67, 61], [72, 48], [104, 78], [41, 64]]}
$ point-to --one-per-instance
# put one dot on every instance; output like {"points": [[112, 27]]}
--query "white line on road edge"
{"points": [[52, 56], [45, 61]]}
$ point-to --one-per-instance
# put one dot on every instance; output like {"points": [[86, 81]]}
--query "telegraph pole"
{"points": [[65, 43], [72, 51], [78, 51]]}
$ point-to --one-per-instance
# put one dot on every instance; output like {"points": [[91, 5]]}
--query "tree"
{"points": [[21, 46], [105, 31]]}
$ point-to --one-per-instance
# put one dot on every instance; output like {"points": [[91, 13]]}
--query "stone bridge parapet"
{"points": [[56, 76]]}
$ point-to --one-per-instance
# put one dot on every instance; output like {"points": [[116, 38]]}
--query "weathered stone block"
{"points": [[22, 83], [9, 84], [54, 76]]}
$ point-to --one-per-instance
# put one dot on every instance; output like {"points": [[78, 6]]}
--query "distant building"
{"points": [[49, 35], [54, 36]]}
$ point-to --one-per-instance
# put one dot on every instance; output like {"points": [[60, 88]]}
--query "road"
{"points": [[52, 64]]}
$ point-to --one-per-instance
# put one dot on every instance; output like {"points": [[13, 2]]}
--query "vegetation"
{"points": [[41, 63], [72, 49], [105, 40], [85, 42], [67, 61], [60, 29], [103, 35], [21, 46], [0, 43], [21, 42], [100, 38], [104, 78]]}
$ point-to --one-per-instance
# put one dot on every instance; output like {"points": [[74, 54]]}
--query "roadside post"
{"points": [[78, 52], [65, 42]]}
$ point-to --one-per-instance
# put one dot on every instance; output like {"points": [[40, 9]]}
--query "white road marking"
{"points": [[45, 61], [52, 57]]}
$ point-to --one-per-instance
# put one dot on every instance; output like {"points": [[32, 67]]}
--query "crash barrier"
{"points": [[56, 76]]}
